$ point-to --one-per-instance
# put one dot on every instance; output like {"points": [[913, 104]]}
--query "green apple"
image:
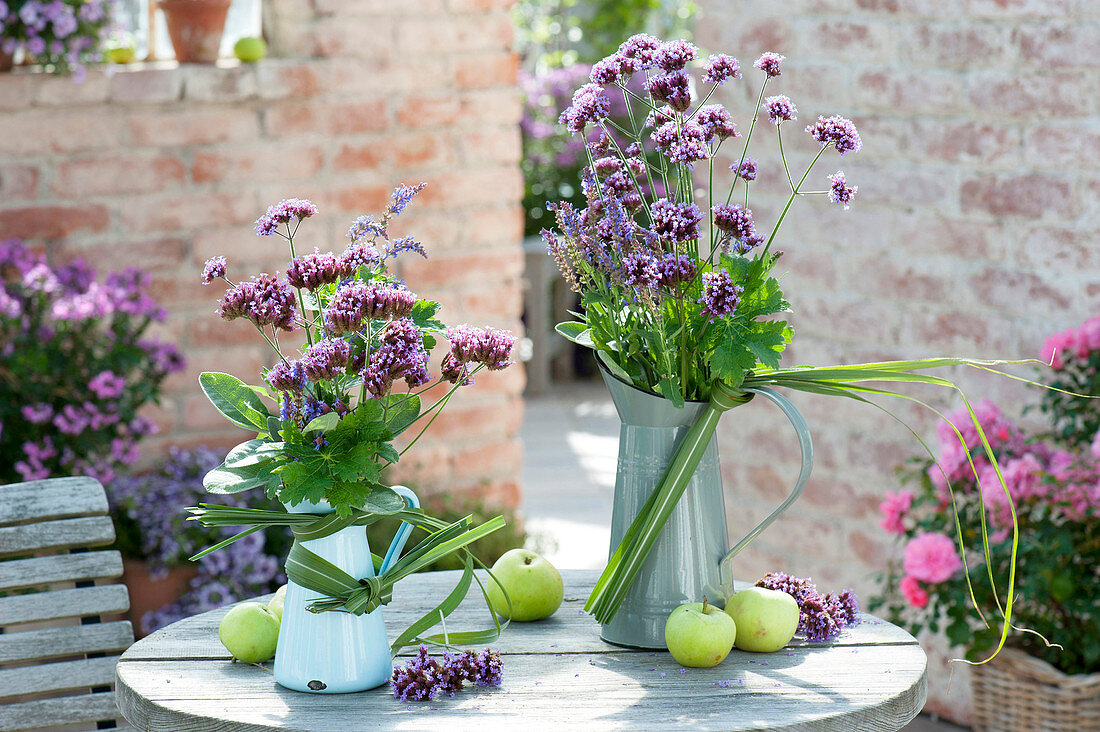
{"points": [[275, 604], [250, 632], [766, 619], [533, 584], [699, 635], [121, 47], [250, 49], [121, 55]]}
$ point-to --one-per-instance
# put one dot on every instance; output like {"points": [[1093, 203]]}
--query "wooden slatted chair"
{"points": [[56, 662]]}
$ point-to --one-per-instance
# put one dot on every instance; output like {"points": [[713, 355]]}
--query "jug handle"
{"points": [[805, 444], [403, 531]]}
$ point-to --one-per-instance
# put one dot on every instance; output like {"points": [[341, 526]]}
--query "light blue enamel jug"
{"points": [[692, 555], [337, 652]]}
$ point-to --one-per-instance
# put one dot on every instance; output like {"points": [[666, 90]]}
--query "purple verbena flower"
{"points": [[684, 145], [310, 271], [355, 256], [673, 88], [716, 122], [287, 376], [106, 385], [265, 300], [678, 222], [734, 219], [840, 131], [676, 269], [780, 108], [721, 67], [839, 191], [748, 170], [37, 413], [401, 355], [606, 71], [641, 48], [281, 213], [720, 296], [589, 106], [326, 359], [674, 55], [816, 622], [213, 269], [641, 271], [769, 63], [799, 589]]}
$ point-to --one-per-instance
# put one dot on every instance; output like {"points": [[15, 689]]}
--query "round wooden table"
{"points": [[558, 674]]}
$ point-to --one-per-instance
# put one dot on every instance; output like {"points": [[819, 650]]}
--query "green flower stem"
{"points": [[794, 194], [745, 149], [437, 408], [271, 343], [783, 156], [301, 300]]}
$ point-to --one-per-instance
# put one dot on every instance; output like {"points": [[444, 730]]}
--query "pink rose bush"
{"points": [[1051, 481]]}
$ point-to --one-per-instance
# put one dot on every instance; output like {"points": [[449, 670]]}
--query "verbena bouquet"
{"points": [[1056, 495], [77, 364], [676, 283], [62, 35], [354, 388]]}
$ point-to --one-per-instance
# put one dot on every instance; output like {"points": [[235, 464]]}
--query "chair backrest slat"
{"points": [[56, 498], [56, 712], [48, 627], [62, 676], [39, 645], [70, 533], [38, 571], [78, 603]]}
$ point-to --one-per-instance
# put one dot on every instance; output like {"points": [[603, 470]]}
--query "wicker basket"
{"points": [[1020, 693]]}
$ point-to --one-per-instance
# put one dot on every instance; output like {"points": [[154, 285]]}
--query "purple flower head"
{"points": [[64, 24], [37, 413], [641, 271], [839, 131], [287, 376], [265, 300], [839, 191], [165, 357], [799, 589], [402, 195], [673, 88], [659, 117], [780, 108], [607, 71], [106, 385], [748, 170], [816, 621], [128, 294], [843, 607], [716, 122], [9, 306], [685, 145], [720, 296], [281, 213], [40, 278], [488, 346], [769, 63], [364, 227], [590, 105], [401, 355], [676, 269], [310, 271], [721, 67], [633, 150], [423, 678], [674, 55], [734, 219], [356, 256], [678, 222], [213, 269], [406, 244], [640, 47], [326, 359]]}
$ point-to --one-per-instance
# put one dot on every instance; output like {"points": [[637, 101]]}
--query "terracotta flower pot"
{"points": [[196, 28], [148, 593], [7, 61]]}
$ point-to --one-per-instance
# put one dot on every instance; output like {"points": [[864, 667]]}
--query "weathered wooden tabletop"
{"points": [[558, 674]]}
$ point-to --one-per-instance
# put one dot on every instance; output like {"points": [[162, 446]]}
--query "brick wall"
{"points": [[163, 167], [974, 233]]}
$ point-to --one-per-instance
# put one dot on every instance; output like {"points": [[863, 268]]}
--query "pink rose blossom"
{"points": [[931, 558], [913, 593], [893, 509]]}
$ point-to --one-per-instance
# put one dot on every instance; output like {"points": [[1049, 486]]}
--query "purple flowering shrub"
{"points": [[357, 382], [675, 296], [423, 678], [62, 35], [150, 525], [1051, 490], [76, 366]]}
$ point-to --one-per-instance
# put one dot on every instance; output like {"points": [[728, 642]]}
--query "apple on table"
{"points": [[250, 631], [766, 619], [533, 584], [699, 635]]}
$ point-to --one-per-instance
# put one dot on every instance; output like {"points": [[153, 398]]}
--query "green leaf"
{"points": [[611, 365], [324, 423], [579, 333], [401, 411], [767, 341], [226, 480], [423, 315], [252, 452], [235, 400], [311, 302], [731, 360], [670, 390]]}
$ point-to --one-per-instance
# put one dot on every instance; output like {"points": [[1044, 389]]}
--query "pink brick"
{"points": [[53, 222], [220, 84], [268, 162], [294, 118], [61, 91], [955, 46], [187, 211], [18, 182], [16, 90], [111, 254], [1010, 290], [964, 142], [909, 92], [1062, 145], [429, 111], [1029, 196], [483, 71], [281, 79], [117, 174], [191, 126], [39, 132], [1034, 95], [147, 86], [852, 40]]}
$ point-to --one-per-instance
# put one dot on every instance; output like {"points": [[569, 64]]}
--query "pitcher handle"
{"points": [[805, 444], [403, 531]]}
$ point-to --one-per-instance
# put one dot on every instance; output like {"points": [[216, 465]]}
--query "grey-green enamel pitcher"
{"points": [[691, 557]]}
